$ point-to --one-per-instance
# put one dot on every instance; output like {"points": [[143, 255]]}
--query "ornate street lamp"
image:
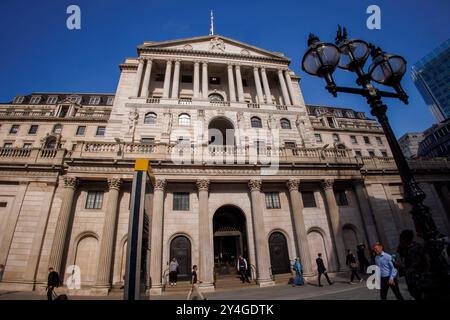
{"points": [[321, 60]]}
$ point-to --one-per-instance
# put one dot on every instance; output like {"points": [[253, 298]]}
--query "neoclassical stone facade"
{"points": [[242, 165]]}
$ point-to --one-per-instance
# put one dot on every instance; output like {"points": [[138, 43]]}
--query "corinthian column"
{"points": [[261, 243], [286, 99], [156, 237], [333, 212], [137, 82], [206, 272], [108, 235], [205, 80], [147, 75], [196, 83], [231, 83], [176, 79], [167, 79], [62, 225], [258, 85], [266, 86], [299, 224], [290, 87], [240, 87]]}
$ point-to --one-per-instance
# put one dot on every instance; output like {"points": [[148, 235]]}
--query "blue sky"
{"points": [[38, 52]]}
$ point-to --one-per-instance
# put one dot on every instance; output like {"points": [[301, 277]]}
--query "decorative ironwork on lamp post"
{"points": [[321, 59]]}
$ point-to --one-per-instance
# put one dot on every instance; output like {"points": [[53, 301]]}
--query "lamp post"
{"points": [[321, 59]]}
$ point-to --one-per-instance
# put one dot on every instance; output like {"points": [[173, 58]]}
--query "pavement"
{"points": [[340, 290]]}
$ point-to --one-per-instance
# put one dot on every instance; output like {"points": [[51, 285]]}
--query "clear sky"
{"points": [[38, 52]]}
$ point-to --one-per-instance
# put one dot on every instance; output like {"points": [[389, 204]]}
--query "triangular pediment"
{"points": [[214, 44]]}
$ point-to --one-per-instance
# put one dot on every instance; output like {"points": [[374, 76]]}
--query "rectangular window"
{"points": [[7, 145], [384, 154], [33, 129], [290, 144], [94, 200], [214, 80], [52, 99], [19, 99], [159, 77], [341, 198], [330, 122], [358, 153], [186, 79], [372, 154], [110, 101], [379, 141], [81, 130], [27, 145], [94, 100], [63, 111], [100, 131], [14, 129], [3, 204], [353, 139], [366, 140], [318, 137], [35, 99], [273, 200], [148, 140], [181, 201], [309, 201], [244, 83]]}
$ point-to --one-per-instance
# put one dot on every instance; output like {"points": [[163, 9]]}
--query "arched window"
{"points": [[215, 97], [184, 119], [285, 124], [51, 143], [256, 122], [57, 128], [150, 118]]}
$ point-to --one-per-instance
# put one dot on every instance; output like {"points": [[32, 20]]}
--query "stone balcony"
{"points": [[48, 113], [31, 156]]}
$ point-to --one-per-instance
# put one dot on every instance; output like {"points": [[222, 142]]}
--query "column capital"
{"points": [[160, 184], [205, 63], [141, 59], [114, 183], [237, 66], [293, 184], [70, 182], [256, 68], [263, 69], [177, 61], [280, 71], [255, 185], [327, 184], [197, 62], [203, 184], [230, 65], [169, 61]]}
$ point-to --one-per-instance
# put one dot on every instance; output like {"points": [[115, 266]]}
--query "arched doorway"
{"points": [[230, 239], [350, 237], [316, 244], [86, 258], [180, 248], [221, 132], [279, 254]]}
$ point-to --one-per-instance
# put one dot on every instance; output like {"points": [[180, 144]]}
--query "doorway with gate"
{"points": [[230, 240]]}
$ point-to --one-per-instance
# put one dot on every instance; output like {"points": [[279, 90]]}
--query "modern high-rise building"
{"points": [[432, 78], [409, 143]]}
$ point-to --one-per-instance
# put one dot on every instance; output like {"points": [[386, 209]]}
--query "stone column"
{"points": [[196, 79], [231, 83], [62, 225], [108, 235], [286, 99], [368, 220], [290, 87], [205, 80], [261, 242], [147, 75], [206, 265], [336, 228], [240, 87], [266, 86], [299, 224], [167, 79], [176, 79], [157, 237], [137, 82], [258, 85]]}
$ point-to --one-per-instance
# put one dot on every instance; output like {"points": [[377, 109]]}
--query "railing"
{"points": [[19, 156], [253, 105], [220, 103], [50, 113], [98, 114], [281, 107], [15, 152], [185, 101], [153, 100]]}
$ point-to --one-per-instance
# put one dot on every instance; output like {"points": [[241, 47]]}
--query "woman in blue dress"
{"points": [[297, 266]]}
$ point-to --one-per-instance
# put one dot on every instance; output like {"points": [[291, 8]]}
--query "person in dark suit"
{"points": [[321, 269], [52, 282]]}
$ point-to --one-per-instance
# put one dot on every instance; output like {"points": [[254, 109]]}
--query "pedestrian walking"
{"points": [[194, 292], [52, 282], [297, 267], [173, 272], [353, 265], [388, 273], [362, 259], [321, 269], [242, 268], [413, 262]]}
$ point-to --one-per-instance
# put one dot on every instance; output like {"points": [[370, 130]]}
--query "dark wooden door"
{"points": [[180, 248], [279, 256]]}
